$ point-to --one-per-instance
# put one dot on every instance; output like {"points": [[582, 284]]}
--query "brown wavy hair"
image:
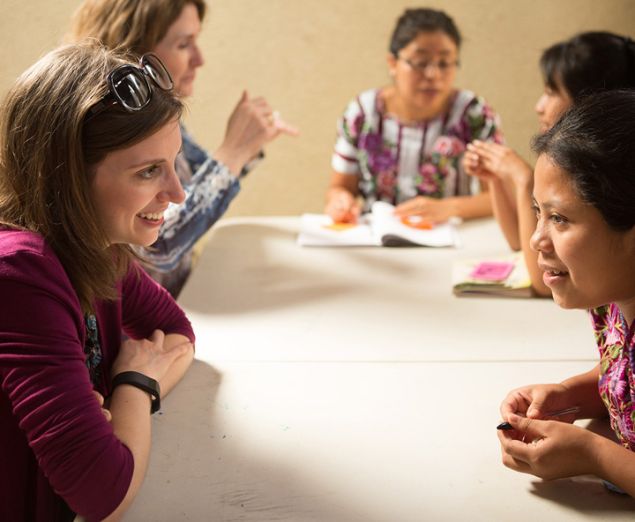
{"points": [[135, 25], [49, 151]]}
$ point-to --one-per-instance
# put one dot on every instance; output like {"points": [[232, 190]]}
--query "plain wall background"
{"points": [[310, 57]]}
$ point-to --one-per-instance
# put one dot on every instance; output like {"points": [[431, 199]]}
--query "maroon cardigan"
{"points": [[58, 454]]}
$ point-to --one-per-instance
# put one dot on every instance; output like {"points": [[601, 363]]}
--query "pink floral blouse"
{"points": [[617, 364], [396, 161]]}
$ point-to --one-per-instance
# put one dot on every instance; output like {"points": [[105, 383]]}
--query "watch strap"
{"points": [[143, 382]]}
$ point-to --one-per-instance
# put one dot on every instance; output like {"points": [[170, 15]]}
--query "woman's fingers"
{"points": [[100, 401], [283, 127]]}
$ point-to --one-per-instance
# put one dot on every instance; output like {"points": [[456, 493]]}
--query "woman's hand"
{"points": [[489, 160], [100, 400], [538, 401], [547, 449], [432, 210], [148, 356], [342, 206], [251, 125], [473, 166]]}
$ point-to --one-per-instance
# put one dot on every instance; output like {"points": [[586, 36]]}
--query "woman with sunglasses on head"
{"points": [[585, 64], [403, 143], [170, 29], [88, 142], [584, 188]]}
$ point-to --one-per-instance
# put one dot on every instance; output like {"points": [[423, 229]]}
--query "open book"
{"points": [[378, 228], [505, 277]]}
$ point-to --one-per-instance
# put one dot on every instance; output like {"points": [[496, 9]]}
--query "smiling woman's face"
{"points": [[132, 187], [586, 263]]}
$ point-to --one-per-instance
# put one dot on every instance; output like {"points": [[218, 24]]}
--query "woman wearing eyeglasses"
{"points": [[88, 142], [585, 64], [170, 29], [403, 143]]}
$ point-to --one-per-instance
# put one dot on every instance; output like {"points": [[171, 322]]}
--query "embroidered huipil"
{"points": [[617, 362], [209, 189], [396, 161]]}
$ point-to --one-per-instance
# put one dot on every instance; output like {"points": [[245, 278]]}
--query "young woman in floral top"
{"points": [[584, 188], [403, 143], [572, 69]]}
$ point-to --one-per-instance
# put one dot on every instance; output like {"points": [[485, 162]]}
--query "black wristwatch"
{"points": [[143, 382]]}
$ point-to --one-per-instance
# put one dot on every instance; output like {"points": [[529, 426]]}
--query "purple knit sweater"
{"points": [[57, 451]]}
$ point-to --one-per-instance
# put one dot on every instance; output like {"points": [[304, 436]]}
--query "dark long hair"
{"points": [[589, 62], [414, 21], [593, 143]]}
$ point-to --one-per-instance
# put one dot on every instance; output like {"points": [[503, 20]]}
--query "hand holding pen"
{"points": [[548, 449], [540, 401], [547, 416]]}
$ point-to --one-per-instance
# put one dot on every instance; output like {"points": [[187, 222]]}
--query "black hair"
{"points": [[589, 62], [414, 21], [593, 143]]}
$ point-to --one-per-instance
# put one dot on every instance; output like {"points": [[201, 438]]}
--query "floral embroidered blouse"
{"points": [[396, 161], [617, 364]]}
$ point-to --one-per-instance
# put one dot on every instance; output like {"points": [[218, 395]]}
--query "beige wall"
{"points": [[309, 57]]}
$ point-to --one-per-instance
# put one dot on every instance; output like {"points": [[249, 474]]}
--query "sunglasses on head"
{"points": [[128, 85]]}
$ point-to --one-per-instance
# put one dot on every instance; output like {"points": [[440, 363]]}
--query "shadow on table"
{"points": [[200, 471], [246, 267], [584, 494]]}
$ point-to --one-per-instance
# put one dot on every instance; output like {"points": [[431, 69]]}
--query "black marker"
{"points": [[574, 409]]}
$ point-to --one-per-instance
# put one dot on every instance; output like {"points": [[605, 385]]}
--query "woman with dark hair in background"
{"points": [[587, 63], [403, 143], [584, 188], [170, 29]]}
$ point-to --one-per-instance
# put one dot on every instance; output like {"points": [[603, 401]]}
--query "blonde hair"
{"points": [[135, 25], [48, 155]]}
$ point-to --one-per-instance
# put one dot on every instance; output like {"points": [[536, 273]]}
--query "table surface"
{"points": [[349, 384]]}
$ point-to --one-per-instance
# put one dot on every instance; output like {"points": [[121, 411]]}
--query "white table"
{"points": [[350, 385], [257, 295]]}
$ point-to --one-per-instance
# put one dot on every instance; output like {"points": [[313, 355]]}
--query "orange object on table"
{"points": [[417, 222]]}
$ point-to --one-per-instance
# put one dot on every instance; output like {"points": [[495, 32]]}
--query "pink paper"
{"points": [[492, 270]]}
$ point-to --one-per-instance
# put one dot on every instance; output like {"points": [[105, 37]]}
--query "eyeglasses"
{"points": [[443, 66], [129, 87]]}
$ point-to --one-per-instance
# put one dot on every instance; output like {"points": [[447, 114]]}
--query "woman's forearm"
{"points": [[179, 366], [471, 207], [526, 228], [505, 211], [130, 410], [584, 388], [614, 463]]}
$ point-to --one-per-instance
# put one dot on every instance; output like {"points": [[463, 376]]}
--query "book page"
{"points": [[319, 230], [391, 231]]}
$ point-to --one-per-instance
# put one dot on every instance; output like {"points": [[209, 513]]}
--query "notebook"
{"points": [[504, 277], [380, 227]]}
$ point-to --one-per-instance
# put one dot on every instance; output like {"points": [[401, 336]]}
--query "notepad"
{"points": [[380, 227], [503, 277], [493, 271]]}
